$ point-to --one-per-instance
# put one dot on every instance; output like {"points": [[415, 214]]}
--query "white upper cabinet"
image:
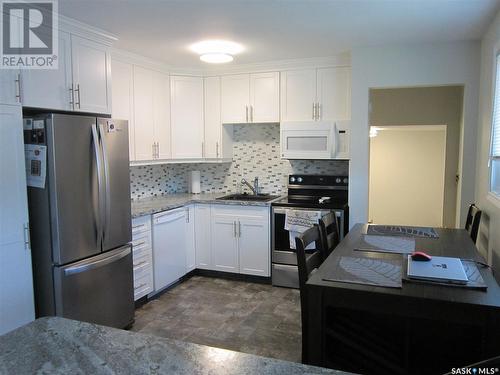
{"points": [[187, 117], [91, 76], [298, 95], [143, 114], [235, 101], [334, 94], [10, 86], [316, 94], [50, 88], [213, 124], [265, 97], [161, 115], [250, 98], [123, 98]]}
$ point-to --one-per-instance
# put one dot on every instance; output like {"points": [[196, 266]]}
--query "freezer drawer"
{"points": [[97, 290]]}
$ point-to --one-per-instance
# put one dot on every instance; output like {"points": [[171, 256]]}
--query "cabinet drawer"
{"points": [[141, 251], [141, 240], [142, 266], [257, 212], [143, 286], [141, 224]]}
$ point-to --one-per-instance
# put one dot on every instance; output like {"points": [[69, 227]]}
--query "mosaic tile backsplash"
{"points": [[256, 153]]}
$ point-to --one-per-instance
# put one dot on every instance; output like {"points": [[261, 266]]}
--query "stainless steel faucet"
{"points": [[255, 187]]}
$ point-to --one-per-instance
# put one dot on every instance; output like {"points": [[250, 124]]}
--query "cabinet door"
{"points": [[265, 97], [123, 99], [213, 124], [190, 239], [187, 117], [161, 114], [203, 236], [224, 243], [143, 113], [50, 88], [298, 95], [91, 75], [235, 99], [16, 284], [253, 246], [10, 86], [334, 93]]}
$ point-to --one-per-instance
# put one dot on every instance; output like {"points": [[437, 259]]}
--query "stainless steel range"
{"points": [[311, 193]]}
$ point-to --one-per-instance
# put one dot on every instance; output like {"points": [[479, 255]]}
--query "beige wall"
{"points": [[440, 105], [489, 233], [407, 176]]}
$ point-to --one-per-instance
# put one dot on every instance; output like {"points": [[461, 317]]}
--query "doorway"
{"points": [[407, 165], [411, 123]]}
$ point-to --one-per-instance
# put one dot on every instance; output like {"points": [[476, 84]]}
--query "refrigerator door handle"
{"points": [[87, 266], [107, 201], [97, 154]]}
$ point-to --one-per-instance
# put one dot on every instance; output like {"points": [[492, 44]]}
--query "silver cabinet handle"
{"points": [[78, 91], [234, 229], [27, 240], [157, 150], [217, 149], [140, 286], [18, 87], [239, 228], [251, 113], [71, 97], [140, 263], [319, 111], [202, 149], [314, 111], [153, 153], [187, 215], [246, 112], [138, 226], [139, 244]]}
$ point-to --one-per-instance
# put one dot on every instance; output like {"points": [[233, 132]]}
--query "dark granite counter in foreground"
{"points": [[61, 346]]}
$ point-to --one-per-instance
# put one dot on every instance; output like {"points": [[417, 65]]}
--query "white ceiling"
{"points": [[278, 30]]}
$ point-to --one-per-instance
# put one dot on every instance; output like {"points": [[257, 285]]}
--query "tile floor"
{"points": [[236, 315]]}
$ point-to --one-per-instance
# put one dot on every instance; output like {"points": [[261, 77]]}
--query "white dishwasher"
{"points": [[169, 247]]}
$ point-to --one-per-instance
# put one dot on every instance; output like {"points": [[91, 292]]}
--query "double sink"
{"points": [[249, 197]]}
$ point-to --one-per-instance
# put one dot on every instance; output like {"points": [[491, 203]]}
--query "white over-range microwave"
{"points": [[315, 140]]}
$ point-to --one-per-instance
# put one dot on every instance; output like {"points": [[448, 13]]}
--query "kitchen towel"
{"points": [[195, 182], [298, 221]]}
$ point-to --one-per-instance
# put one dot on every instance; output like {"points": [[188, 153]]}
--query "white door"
{"points": [[16, 280], [50, 88], [203, 238], [235, 99], [190, 239], [143, 113], [187, 117], [298, 95], [213, 124], [10, 86], [123, 98], [253, 246], [407, 165], [334, 93], [91, 76], [161, 114], [225, 243], [169, 247], [265, 97]]}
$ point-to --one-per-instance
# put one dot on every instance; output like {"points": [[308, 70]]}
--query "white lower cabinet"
{"points": [[142, 256], [190, 238], [169, 247], [241, 239]]}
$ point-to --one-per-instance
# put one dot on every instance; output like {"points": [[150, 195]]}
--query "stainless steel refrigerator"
{"points": [[80, 225]]}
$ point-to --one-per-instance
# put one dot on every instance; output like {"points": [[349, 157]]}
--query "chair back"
{"points": [[306, 264], [329, 233], [473, 221]]}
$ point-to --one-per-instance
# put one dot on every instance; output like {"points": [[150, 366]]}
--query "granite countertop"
{"points": [[62, 346], [161, 203]]}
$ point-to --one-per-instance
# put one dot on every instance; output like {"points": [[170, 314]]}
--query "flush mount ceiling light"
{"points": [[216, 51]]}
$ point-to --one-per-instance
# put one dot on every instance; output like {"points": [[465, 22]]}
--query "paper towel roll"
{"points": [[195, 182]]}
